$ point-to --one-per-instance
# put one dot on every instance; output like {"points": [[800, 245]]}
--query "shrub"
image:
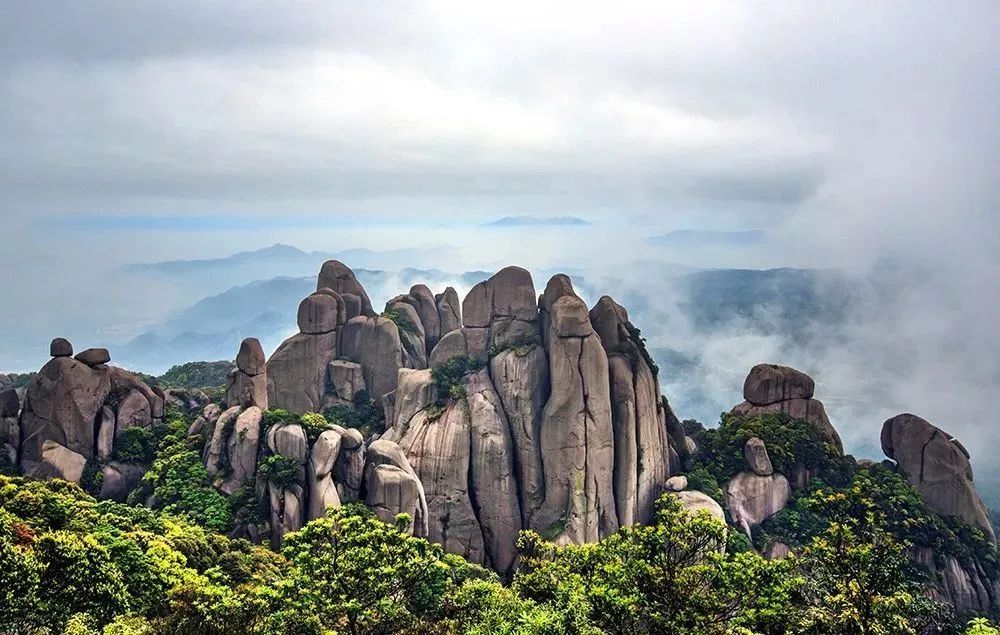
{"points": [[366, 415], [448, 383], [791, 443], [279, 471], [135, 445], [93, 477], [314, 424]]}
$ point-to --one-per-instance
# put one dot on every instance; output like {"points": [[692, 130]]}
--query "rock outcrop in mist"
{"points": [[504, 411]]}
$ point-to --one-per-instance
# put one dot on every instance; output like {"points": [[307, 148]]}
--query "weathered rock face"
{"points": [[422, 300], [337, 276], [966, 587], [642, 459], [521, 378], [465, 460], [770, 388], [347, 379], [439, 453], [10, 403], [392, 487], [755, 453], [190, 401], [374, 343], [752, 498], [504, 304], [297, 372], [452, 345], [231, 453], [61, 406], [120, 479], [58, 461], [937, 466], [317, 314], [449, 311], [411, 333], [576, 434], [248, 382], [319, 474]]}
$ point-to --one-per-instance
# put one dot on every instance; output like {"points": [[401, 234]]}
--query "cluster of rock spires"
{"points": [[557, 424]]}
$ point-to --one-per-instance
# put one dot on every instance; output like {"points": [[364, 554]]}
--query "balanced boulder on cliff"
{"points": [[772, 388]]}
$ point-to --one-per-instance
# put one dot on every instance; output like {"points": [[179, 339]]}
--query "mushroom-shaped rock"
{"points": [[339, 277], [250, 358], [317, 314], [755, 453], [935, 466], [324, 452], [752, 498], [771, 383], [60, 347], [94, 356], [319, 475], [449, 310]]}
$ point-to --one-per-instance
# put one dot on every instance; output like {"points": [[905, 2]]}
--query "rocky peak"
{"points": [[937, 466]]}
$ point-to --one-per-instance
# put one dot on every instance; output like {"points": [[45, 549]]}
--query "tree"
{"points": [[860, 581]]}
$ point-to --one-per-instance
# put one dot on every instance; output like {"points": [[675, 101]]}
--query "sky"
{"points": [[859, 136]]}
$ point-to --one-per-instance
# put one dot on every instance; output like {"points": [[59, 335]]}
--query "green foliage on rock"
{"points": [[197, 374], [448, 382], [279, 471], [177, 481], [791, 444], [135, 445], [366, 415]]}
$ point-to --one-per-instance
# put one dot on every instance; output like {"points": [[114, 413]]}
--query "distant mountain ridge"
{"points": [[536, 221]]}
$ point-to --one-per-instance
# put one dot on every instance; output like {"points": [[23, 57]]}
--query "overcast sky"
{"points": [[856, 134], [670, 114]]}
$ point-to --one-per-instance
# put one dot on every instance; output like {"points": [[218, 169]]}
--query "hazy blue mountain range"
{"points": [[536, 221]]}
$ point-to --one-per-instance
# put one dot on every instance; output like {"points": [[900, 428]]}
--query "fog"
{"points": [[859, 139]]}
